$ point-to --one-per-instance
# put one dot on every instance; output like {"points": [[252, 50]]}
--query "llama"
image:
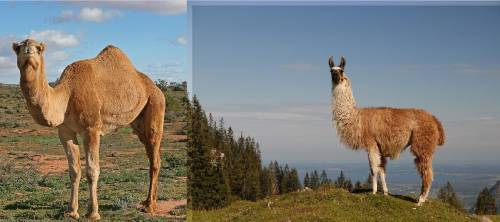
{"points": [[384, 132]]}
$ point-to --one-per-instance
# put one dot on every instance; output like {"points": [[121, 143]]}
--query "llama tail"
{"points": [[441, 131]]}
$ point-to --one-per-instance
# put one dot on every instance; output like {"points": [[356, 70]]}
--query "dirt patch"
{"points": [[51, 165], [121, 153], [164, 207], [177, 138]]}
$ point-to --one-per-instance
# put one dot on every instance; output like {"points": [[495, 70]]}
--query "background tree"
{"points": [[293, 181], [324, 180], [314, 180], [306, 181], [343, 182], [485, 203], [447, 195]]}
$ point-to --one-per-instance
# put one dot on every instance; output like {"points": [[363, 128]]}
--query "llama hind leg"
{"points": [[374, 158], [424, 167]]}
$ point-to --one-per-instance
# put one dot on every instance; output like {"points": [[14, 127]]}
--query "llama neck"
{"points": [[345, 115], [343, 103], [46, 105]]}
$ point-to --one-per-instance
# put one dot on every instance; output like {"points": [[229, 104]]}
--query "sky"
{"points": [[152, 34], [264, 70]]}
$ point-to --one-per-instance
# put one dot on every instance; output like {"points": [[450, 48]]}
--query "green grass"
{"points": [[26, 193], [331, 204]]}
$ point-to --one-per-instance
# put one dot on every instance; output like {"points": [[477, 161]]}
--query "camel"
{"points": [[93, 97], [384, 132]]}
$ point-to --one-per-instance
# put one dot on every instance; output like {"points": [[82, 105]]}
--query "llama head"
{"points": [[337, 72]]}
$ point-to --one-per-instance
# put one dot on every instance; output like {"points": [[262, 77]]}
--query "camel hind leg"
{"points": [[149, 128]]}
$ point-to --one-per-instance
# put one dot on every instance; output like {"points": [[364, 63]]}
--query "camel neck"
{"points": [[46, 105]]}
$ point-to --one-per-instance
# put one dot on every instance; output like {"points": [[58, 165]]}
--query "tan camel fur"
{"points": [[93, 97], [384, 132]]}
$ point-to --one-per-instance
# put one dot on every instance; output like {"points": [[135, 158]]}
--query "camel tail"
{"points": [[441, 131]]}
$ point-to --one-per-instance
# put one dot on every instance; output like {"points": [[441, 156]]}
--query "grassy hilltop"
{"points": [[34, 181], [333, 204]]}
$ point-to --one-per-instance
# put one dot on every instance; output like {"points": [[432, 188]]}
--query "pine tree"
{"points": [[199, 158], [285, 172], [273, 173], [485, 203], [343, 182], [314, 180], [293, 181], [208, 184], [358, 186], [448, 195], [306, 181], [324, 180], [265, 183]]}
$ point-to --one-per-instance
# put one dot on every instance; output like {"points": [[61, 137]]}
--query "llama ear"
{"points": [[15, 47], [330, 62], [41, 48], [342, 62]]}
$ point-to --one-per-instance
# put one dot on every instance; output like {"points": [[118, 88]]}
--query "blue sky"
{"points": [[264, 69], [152, 34]]}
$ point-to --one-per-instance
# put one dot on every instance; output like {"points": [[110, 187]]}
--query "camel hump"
{"points": [[112, 54]]}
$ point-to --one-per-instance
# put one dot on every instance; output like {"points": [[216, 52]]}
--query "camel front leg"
{"points": [[374, 158], [70, 144], [91, 142]]}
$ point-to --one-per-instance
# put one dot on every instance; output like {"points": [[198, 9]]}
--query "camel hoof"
{"points": [[93, 216], [386, 193], [148, 207], [72, 214]]}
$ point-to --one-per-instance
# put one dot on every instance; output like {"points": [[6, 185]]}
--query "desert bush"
{"points": [[123, 202], [175, 160]]}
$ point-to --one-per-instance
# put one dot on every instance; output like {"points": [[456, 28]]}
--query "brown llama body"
{"points": [[93, 97], [385, 132]]}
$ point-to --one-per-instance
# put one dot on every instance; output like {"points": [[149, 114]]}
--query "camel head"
{"points": [[337, 72], [29, 54]]}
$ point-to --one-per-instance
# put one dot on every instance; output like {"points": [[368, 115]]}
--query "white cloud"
{"points": [[87, 14], [181, 40], [8, 66], [172, 72], [170, 7], [54, 38], [57, 42], [97, 14], [289, 112], [57, 56]]}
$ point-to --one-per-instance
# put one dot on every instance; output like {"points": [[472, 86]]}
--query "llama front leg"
{"points": [[374, 159], [382, 172], [70, 144], [91, 143]]}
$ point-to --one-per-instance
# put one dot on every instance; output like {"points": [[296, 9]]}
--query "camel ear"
{"points": [[41, 48], [330, 62], [342, 62], [15, 47]]}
